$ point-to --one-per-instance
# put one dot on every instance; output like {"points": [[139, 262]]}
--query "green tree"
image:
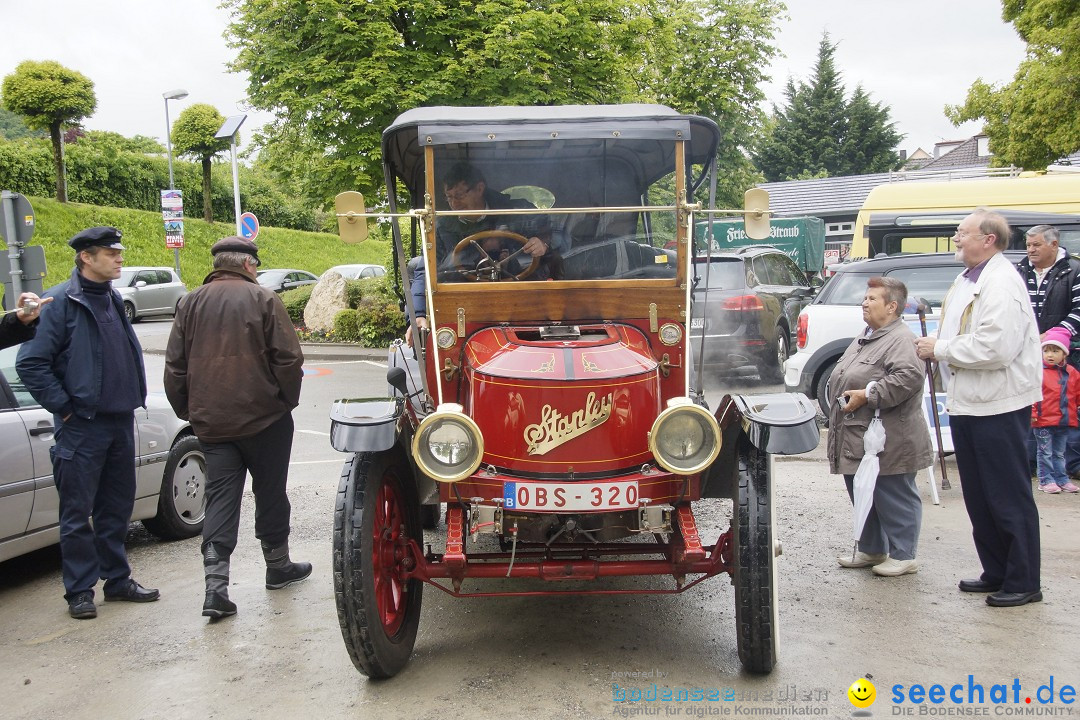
{"points": [[12, 127], [49, 96], [819, 133], [193, 135], [1034, 120], [336, 78]]}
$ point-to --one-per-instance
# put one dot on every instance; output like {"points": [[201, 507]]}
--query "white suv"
{"points": [[827, 326]]}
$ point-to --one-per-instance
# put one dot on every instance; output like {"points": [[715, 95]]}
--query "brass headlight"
{"points": [[685, 438], [448, 445]]}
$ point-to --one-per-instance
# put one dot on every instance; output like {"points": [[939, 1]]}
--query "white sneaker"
{"points": [[894, 568], [861, 559]]}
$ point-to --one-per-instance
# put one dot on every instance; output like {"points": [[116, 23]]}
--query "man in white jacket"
{"points": [[987, 348]]}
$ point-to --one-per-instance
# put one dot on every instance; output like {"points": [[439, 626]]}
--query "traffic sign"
{"points": [[249, 226], [16, 219]]}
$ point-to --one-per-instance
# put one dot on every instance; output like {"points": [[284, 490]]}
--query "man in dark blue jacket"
{"points": [[466, 190], [85, 367]]}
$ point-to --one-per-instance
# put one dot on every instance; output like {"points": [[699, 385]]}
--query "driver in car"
{"points": [[466, 189]]}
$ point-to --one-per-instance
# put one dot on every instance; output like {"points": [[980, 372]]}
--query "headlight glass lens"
{"points": [[685, 439], [448, 446]]}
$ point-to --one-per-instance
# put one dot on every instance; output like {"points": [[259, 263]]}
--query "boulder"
{"points": [[327, 300]]}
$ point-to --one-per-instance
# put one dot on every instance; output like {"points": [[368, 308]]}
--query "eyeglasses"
{"points": [[961, 234], [459, 195]]}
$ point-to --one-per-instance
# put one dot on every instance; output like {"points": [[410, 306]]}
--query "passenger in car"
{"points": [[879, 375]]}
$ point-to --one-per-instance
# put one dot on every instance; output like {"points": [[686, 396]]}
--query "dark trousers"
{"points": [[94, 471], [992, 458], [266, 457]]}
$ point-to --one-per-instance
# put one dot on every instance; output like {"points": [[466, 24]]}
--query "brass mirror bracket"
{"points": [[450, 370], [665, 365]]}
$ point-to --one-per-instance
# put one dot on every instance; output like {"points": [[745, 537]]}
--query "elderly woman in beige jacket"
{"points": [[880, 373]]}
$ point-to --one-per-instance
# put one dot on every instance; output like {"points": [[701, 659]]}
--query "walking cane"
{"points": [[933, 401]]}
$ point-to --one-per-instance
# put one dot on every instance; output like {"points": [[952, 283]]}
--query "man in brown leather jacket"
{"points": [[233, 367]]}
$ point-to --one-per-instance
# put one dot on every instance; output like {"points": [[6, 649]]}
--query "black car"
{"points": [[745, 305]]}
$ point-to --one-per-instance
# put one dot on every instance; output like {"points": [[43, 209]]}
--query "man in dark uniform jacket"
{"points": [[85, 367], [233, 367]]}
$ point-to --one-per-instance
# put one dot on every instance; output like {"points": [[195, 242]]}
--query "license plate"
{"points": [[697, 323], [557, 497]]}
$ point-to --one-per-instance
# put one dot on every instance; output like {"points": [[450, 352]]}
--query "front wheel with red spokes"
{"points": [[376, 514]]}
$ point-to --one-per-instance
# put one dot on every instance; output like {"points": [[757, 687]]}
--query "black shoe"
{"points": [[82, 607], [217, 606], [1011, 599], [979, 585], [277, 578], [132, 591]]}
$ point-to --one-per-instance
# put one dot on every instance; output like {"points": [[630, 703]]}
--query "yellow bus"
{"points": [[915, 216]]}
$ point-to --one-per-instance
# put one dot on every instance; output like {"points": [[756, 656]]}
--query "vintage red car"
{"points": [[552, 402]]}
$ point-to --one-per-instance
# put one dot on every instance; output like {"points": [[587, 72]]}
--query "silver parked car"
{"points": [[149, 291], [285, 279], [358, 272], [170, 470]]}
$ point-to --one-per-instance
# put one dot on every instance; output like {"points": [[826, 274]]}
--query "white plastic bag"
{"points": [[867, 473]]}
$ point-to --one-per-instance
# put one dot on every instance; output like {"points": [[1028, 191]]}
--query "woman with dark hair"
{"points": [[881, 375]]}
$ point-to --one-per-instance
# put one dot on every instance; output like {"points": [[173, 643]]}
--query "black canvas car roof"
{"points": [[532, 136]]}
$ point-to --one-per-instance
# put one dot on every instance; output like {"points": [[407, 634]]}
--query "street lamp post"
{"points": [[177, 94], [229, 129]]}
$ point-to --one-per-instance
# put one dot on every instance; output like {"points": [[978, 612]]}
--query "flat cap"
{"points": [[102, 236], [236, 244]]}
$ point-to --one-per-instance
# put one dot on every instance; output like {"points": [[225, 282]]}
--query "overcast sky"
{"points": [[913, 55]]}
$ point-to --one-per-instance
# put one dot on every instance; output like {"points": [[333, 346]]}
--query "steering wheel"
{"points": [[488, 268]]}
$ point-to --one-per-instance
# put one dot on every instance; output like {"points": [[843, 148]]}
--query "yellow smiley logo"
{"points": [[862, 693]]}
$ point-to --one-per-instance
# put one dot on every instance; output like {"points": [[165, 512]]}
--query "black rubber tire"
{"points": [[755, 562], [182, 499], [822, 395], [374, 652], [129, 312], [772, 367], [429, 516]]}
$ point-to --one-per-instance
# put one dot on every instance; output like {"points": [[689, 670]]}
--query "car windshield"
{"points": [[269, 276], [125, 278], [720, 274], [514, 194]]}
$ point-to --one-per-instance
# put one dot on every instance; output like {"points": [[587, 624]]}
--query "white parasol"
{"points": [[867, 473]]}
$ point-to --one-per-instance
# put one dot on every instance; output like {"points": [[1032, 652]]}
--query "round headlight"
{"points": [[670, 334], [445, 338], [685, 438], [448, 445]]}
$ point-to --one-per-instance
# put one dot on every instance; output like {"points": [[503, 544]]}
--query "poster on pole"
{"points": [[172, 214]]}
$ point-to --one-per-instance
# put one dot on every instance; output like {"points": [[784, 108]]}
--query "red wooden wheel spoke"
{"points": [[389, 592]]}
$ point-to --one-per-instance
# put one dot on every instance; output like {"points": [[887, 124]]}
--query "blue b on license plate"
{"points": [[619, 495]]}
